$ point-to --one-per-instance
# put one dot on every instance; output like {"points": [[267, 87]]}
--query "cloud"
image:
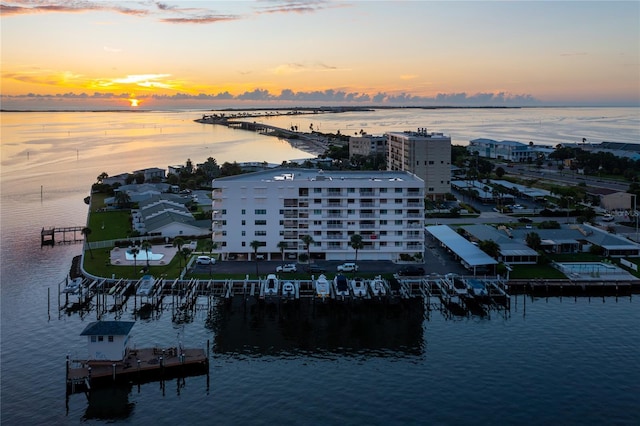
{"points": [[296, 67], [295, 6], [324, 97], [408, 77], [162, 11], [112, 49], [25, 7]]}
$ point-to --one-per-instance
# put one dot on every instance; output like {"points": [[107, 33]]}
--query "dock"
{"points": [[139, 365], [70, 235]]}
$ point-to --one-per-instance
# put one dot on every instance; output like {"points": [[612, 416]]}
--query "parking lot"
{"points": [[437, 261]]}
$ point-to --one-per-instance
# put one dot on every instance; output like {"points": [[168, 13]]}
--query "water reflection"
{"points": [[306, 329]]}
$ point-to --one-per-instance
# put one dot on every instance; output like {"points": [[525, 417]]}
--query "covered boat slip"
{"points": [[470, 255]]}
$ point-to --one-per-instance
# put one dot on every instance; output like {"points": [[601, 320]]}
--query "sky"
{"points": [[77, 54]]}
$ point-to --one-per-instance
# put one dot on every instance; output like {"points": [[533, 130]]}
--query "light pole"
{"points": [[635, 212]]}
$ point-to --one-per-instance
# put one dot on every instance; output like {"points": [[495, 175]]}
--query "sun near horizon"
{"points": [[134, 102]]}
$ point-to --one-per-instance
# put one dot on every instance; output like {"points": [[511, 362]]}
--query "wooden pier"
{"points": [[48, 235], [139, 365]]}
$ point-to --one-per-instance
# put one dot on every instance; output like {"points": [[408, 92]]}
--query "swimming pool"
{"points": [[143, 255]]}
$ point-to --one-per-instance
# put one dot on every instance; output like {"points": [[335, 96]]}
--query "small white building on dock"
{"points": [[107, 340]]}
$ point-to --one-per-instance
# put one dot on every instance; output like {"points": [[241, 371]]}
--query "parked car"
{"points": [[524, 220], [205, 260], [412, 271], [348, 267], [314, 269], [291, 267]]}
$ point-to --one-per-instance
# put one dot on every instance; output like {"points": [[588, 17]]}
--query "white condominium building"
{"points": [[385, 208], [427, 155]]}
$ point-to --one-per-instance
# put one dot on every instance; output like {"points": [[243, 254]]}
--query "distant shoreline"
{"points": [[322, 108]]}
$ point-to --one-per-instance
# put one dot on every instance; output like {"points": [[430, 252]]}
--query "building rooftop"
{"points": [[285, 174], [108, 328]]}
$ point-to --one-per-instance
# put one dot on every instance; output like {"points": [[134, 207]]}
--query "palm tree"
{"points": [[134, 252], [533, 240], [490, 247], [86, 231], [146, 246], [255, 245], [178, 242], [282, 245], [307, 240], [122, 199], [356, 244], [185, 252]]}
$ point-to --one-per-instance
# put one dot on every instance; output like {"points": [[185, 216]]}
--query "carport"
{"points": [[469, 254]]}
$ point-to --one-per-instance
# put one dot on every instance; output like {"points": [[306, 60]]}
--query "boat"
{"points": [[146, 285], [73, 286], [477, 288], [457, 285], [378, 286], [289, 290], [270, 286], [358, 287], [341, 287], [322, 287]]}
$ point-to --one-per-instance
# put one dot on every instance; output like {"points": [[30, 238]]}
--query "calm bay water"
{"points": [[555, 361]]}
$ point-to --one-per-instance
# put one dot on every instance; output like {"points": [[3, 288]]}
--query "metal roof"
{"points": [[460, 246], [108, 328]]}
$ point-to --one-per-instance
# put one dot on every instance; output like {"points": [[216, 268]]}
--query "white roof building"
{"points": [[386, 208]]}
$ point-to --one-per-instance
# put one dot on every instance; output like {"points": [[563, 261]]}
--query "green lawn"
{"points": [[100, 266]]}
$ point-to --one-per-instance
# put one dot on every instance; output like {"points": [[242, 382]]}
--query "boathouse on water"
{"points": [[107, 340]]}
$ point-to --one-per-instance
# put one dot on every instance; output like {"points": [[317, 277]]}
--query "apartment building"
{"points": [[426, 155], [386, 208], [366, 145]]}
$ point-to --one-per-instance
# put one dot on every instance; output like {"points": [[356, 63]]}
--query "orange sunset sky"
{"points": [[210, 54]]}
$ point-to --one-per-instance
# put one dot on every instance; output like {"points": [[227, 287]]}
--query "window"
{"points": [[430, 189], [317, 190], [110, 339], [100, 338], [244, 211], [398, 191], [260, 222], [430, 162], [93, 339], [244, 233], [244, 222], [383, 222], [383, 190], [261, 211], [260, 233]]}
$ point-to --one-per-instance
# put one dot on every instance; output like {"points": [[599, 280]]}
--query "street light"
{"points": [[635, 212]]}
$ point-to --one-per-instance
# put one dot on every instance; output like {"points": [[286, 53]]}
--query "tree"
{"points": [[282, 245], [134, 252], [185, 253], [500, 172], [356, 244], [101, 177], [307, 240], [255, 245], [86, 231], [533, 240], [146, 246], [178, 242], [122, 199], [490, 247]]}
